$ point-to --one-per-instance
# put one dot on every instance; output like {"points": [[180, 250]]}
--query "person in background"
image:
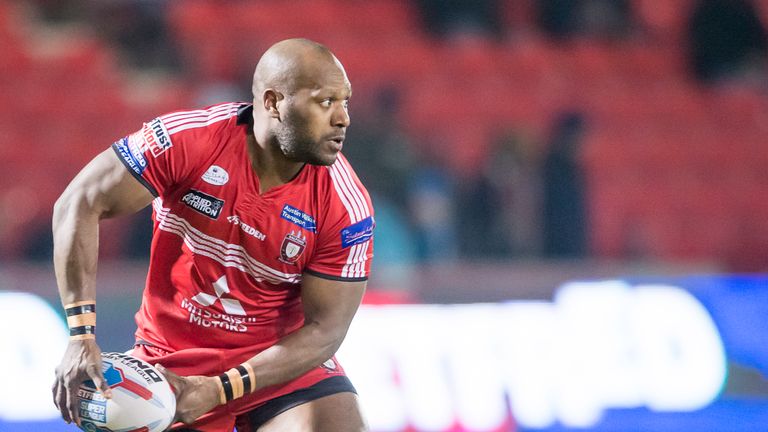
{"points": [[727, 40], [565, 216]]}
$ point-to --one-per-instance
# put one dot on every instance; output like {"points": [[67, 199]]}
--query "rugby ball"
{"points": [[142, 399]]}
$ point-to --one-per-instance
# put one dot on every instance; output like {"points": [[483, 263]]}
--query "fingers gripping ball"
{"points": [[142, 400]]}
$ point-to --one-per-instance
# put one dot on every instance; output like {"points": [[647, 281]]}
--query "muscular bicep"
{"points": [[107, 188], [330, 303]]}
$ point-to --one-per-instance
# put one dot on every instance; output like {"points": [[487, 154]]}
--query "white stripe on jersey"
{"points": [[345, 271], [359, 206], [345, 171], [361, 261], [183, 120], [171, 120], [355, 266], [226, 254], [343, 193], [358, 268], [178, 115], [195, 123], [173, 116], [211, 121], [357, 209]]}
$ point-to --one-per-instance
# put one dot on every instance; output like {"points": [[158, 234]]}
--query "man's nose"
{"points": [[340, 117]]}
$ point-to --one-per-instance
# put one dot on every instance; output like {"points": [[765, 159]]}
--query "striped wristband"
{"points": [[81, 319], [236, 382]]}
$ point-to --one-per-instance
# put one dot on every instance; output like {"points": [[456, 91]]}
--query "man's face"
{"points": [[315, 119]]}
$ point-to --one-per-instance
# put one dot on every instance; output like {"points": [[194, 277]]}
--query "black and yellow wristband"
{"points": [[81, 319], [236, 382]]}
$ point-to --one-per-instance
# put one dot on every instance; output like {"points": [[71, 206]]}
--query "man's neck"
{"points": [[270, 165]]}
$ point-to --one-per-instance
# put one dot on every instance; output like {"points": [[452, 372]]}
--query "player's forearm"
{"points": [[296, 354], [75, 247]]}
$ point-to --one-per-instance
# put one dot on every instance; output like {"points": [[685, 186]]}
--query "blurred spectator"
{"points": [[499, 207], [395, 249], [448, 17], [565, 216], [60, 11], [431, 198], [515, 167], [726, 39], [558, 18], [377, 145], [606, 19], [481, 227], [138, 29]]}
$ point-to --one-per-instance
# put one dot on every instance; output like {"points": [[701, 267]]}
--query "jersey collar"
{"points": [[245, 114]]}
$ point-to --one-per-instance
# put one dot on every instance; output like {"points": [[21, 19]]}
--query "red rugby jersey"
{"points": [[226, 262]]}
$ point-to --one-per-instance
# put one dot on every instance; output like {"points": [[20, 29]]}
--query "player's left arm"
{"points": [[329, 306]]}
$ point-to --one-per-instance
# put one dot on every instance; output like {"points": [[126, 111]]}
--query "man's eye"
{"points": [[326, 103]]}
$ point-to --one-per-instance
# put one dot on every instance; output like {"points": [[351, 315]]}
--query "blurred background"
{"points": [[537, 166]]}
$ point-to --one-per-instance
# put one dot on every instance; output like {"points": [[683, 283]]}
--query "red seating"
{"points": [[672, 169], [59, 107]]}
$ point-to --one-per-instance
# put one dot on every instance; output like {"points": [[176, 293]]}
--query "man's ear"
{"points": [[271, 100]]}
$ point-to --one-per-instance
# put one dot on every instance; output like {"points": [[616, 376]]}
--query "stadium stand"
{"points": [[64, 99], [673, 168]]}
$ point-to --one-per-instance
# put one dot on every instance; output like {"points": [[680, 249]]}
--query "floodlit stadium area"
{"points": [[571, 223]]}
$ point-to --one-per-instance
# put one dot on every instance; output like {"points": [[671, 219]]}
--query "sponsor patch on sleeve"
{"points": [[156, 137], [131, 155], [359, 232], [298, 217]]}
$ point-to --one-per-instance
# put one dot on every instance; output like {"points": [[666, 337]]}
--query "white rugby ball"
{"points": [[142, 400]]}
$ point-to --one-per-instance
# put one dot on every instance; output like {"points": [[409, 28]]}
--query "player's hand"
{"points": [[81, 361], [195, 394]]}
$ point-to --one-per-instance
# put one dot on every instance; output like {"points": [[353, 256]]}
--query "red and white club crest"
{"points": [[292, 248]]}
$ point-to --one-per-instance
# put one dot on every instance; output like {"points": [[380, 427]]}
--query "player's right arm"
{"points": [[103, 189]]}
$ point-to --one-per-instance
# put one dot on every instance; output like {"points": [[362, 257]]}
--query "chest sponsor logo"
{"points": [[359, 232], [246, 228], [204, 309], [298, 217], [131, 155], [216, 176], [156, 137], [292, 248], [203, 203]]}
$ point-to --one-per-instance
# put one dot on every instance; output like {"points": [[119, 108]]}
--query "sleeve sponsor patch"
{"points": [[359, 232], [156, 137], [298, 217], [131, 155]]}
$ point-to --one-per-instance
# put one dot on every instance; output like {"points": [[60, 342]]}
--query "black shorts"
{"points": [[253, 420]]}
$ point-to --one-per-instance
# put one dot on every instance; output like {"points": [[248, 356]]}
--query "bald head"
{"points": [[300, 103], [294, 64]]}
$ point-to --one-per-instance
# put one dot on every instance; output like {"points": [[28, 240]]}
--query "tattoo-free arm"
{"points": [[104, 188], [329, 307]]}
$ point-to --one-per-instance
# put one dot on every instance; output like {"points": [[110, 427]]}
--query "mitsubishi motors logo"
{"points": [[231, 306]]}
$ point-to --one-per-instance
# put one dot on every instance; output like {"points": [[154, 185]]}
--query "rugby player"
{"points": [[261, 249]]}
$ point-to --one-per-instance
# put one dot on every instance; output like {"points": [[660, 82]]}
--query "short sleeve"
{"points": [[168, 149], [345, 245]]}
